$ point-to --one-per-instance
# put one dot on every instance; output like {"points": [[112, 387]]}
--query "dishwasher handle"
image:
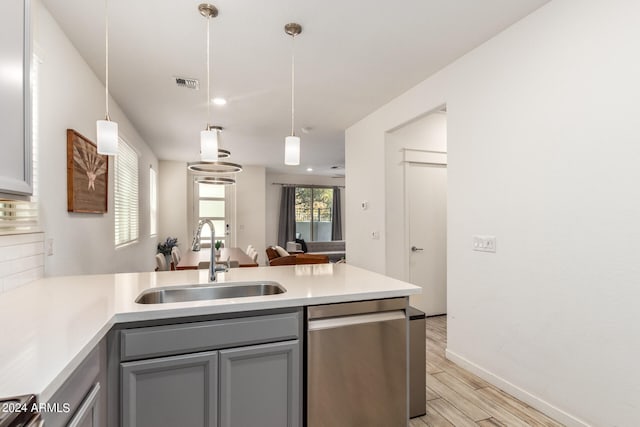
{"points": [[325, 311], [358, 319]]}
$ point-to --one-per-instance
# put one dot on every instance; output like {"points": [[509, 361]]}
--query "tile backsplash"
{"points": [[21, 259]]}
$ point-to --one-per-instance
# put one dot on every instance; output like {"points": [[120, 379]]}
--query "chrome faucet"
{"points": [[195, 246]]}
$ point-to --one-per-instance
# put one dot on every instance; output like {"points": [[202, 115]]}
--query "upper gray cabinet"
{"points": [[15, 99]]}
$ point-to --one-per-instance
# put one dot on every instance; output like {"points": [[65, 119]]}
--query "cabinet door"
{"points": [[15, 98], [170, 391], [88, 414], [260, 385], [81, 400]]}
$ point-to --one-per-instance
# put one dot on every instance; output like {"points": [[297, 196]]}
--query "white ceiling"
{"points": [[352, 57]]}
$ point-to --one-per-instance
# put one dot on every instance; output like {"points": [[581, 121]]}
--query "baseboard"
{"points": [[534, 401]]}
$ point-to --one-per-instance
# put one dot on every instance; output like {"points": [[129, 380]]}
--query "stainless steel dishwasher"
{"points": [[357, 364]]}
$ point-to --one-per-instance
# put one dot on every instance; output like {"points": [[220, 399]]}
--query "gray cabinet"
{"points": [[81, 401], [15, 99], [88, 414], [260, 385], [170, 391], [233, 371]]}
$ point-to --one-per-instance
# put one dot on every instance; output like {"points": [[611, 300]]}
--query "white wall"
{"points": [[426, 133], [275, 191], [71, 96], [172, 203], [543, 153], [250, 209]]}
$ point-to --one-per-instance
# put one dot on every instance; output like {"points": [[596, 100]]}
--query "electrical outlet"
{"points": [[484, 243], [49, 247]]}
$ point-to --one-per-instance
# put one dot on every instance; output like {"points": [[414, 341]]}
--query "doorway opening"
{"points": [[416, 208]]}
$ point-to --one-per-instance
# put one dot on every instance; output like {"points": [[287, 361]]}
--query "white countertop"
{"points": [[48, 327]]}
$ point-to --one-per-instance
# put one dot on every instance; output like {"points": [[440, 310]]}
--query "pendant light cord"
{"points": [[293, 83], [208, 72], [106, 55]]}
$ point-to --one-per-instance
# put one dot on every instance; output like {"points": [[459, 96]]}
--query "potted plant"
{"points": [[165, 247], [218, 245]]}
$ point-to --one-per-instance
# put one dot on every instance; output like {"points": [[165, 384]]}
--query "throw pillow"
{"points": [[281, 251]]}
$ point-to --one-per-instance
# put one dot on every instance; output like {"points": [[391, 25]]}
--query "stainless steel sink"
{"points": [[209, 292]]}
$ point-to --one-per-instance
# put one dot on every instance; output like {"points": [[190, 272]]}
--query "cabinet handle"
{"points": [[356, 319]]}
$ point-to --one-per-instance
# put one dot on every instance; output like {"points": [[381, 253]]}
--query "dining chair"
{"points": [[161, 262], [177, 251], [175, 257]]}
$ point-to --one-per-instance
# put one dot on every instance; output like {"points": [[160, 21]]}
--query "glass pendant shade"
{"points": [[292, 150], [209, 145], [107, 135]]}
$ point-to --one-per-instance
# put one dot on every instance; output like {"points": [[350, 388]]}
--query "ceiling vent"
{"points": [[188, 83]]}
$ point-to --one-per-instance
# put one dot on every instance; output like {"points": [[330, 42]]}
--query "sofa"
{"points": [[334, 249], [278, 256]]}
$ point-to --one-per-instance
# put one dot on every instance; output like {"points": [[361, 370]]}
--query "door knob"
{"points": [[415, 249]]}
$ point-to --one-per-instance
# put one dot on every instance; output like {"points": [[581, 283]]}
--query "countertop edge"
{"points": [[101, 302], [178, 312]]}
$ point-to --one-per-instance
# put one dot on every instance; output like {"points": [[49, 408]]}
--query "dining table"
{"points": [[192, 260]]}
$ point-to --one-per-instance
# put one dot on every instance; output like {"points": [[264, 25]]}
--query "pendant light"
{"points": [[209, 169], [292, 142], [209, 136], [106, 130], [214, 180]]}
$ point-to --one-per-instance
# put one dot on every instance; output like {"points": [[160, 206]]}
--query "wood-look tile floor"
{"points": [[456, 397]]}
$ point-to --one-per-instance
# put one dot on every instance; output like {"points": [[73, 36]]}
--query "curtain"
{"points": [[336, 215], [287, 222]]}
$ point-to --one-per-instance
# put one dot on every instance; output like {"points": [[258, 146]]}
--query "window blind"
{"points": [[126, 194], [153, 202], [18, 216]]}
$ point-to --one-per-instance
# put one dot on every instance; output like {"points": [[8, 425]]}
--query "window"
{"points": [[126, 194], [212, 203], [21, 216], [314, 210], [18, 216], [153, 202]]}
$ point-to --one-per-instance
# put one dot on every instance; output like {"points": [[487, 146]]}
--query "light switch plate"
{"points": [[484, 243]]}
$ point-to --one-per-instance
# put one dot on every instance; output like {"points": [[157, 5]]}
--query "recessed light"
{"points": [[309, 169], [219, 101]]}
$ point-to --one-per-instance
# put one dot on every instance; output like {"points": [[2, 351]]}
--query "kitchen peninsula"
{"points": [[52, 325]]}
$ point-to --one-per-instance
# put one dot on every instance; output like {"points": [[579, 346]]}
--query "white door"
{"points": [[426, 186]]}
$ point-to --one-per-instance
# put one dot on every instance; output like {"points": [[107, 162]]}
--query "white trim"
{"points": [[411, 155], [532, 400], [406, 257]]}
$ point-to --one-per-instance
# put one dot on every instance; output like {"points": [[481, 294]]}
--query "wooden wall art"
{"points": [[87, 175]]}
